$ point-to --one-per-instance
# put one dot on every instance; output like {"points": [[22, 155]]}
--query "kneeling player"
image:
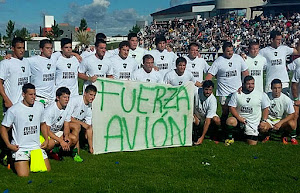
{"points": [[281, 113], [246, 110], [25, 118], [57, 119], [81, 114], [206, 108]]}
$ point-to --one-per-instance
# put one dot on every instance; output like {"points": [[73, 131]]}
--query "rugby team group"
{"points": [[43, 109]]}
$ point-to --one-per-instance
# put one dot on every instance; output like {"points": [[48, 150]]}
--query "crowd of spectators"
{"points": [[210, 33]]}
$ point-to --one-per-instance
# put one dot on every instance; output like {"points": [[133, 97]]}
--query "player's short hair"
{"points": [[248, 78], [180, 59], [276, 81], [226, 45], [44, 42], [160, 39], [65, 41], [274, 33], [27, 86], [99, 41], [253, 43], [147, 56], [17, 40], [208, 83], [123, 43], [131, 35], [90, 88], [100, 36], [62, 90], [193, 44]]}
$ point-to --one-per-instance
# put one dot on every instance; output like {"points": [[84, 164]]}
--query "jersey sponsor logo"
{"points": [[55, 128], [48, 66], [231, 73], [23, 68], [30, 117], [246, 109], [248, 100], [125, 75], [22, 81], [275, 53], [255, 72], [180, 82], [30, 130], [69, 65], [162, 57], [229, 64], [163, 66], [124, 65], [82, 111], [99, 66], [193, 65], [276, 62], [255, 63], [48, 77], [195, 74], [68, 75], [133, 55]]}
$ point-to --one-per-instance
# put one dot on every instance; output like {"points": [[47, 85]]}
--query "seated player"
{"points": [[57, 119], [281, 113], [25, 119], [206, 108], [81, 115], [246, 110], [180, 76]]}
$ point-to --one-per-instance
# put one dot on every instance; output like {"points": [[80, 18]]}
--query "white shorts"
{"points": [[43, 100], [25, 155], [59, 133], [224, 100], [273, 122]]}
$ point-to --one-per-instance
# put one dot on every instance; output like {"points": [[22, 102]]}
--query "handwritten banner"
{"points": [[131, 116]]}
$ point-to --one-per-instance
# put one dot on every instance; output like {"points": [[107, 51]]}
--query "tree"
{"points": [[135, 29], [83, 25], [83, 37], [23, 33], [55, 32], [9, 32]]}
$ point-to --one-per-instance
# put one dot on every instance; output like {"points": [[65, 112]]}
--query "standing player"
{"points": [[227, 69], [122, 65], [163, 60], [81, 115], [147, 73], [206, 108], [96, 65], [43, 73], [67, 68], [256, 64], [25, 118], [14, 73], [276, 61], [180, 76], [135, 52], [196, 65], [246, 109], [281, 113]]}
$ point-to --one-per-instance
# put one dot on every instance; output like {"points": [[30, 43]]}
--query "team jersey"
{"points": [[279, 107], [43, 76], [175, 80], [205, 107], [137, 54], [55, 56], [123, 68], [165, 61], [141, 75], [15, 73], [296, 74], [294, 65], [79, 110], [256, 69], [197, 66], [67, 74], [228, 73], [85, 54], [25, 122], [276, 63], [55, 117], [93, 66]]}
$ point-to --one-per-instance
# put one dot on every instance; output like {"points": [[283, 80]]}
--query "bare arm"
{"points": [[236, 115], [282, 121], [296, 51], [209, 76], [7, 101], [4, 134], [265, 113], [295, 93], [245, 73], [84, 125], [79, 58], [198, 84]]}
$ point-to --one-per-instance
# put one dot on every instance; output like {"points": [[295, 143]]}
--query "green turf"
{"points": [[270, 167]]}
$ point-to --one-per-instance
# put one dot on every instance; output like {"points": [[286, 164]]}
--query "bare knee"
{"points": [[217, 120], [231, 121]]}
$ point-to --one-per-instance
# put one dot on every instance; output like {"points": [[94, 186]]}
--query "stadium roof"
{"points": [[185, 8]]}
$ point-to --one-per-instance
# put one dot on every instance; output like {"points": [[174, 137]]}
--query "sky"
{"points": [[112, 16]]}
